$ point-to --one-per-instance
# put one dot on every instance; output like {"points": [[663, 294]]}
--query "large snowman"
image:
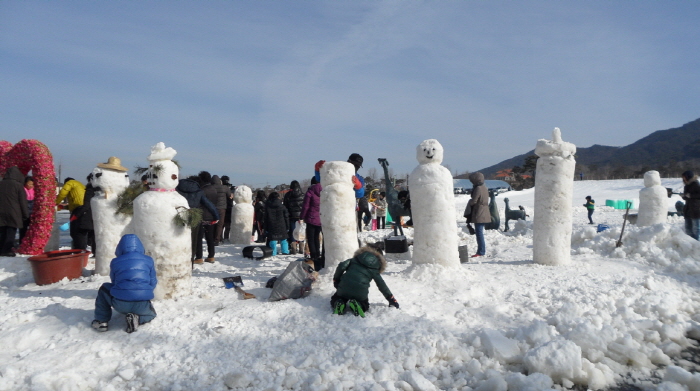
{"points": [[653, 201], [242, 216], [168, 243], [435, 238], [338, 212], [110, 179]]}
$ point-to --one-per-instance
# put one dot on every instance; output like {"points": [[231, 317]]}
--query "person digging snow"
{"points": [[133, 276], [351, 280]]}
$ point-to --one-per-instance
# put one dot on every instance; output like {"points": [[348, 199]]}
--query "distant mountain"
{"points": [[659, 148]]}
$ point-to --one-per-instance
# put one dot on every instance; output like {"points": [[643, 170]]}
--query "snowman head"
{"points": [[111, 182], [162, 171], [429, 151], [243, 195], [652, 178]]}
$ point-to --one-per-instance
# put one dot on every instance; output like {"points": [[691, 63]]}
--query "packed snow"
{"points": [[613, 315]]}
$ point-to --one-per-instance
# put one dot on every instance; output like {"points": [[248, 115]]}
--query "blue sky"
{"points": [[261, 90]]}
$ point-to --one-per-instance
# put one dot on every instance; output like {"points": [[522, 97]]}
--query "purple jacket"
{"points": [[310, 210]]}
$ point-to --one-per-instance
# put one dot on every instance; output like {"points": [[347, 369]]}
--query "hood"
{"points": [[273, 203], [187, 186], [370, 258], [15, 174], [316, 189], [476, 178], [129, 243], [216, 180]]}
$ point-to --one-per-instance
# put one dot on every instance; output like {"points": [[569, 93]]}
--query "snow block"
{"points": [[499, 346], [557, 359], [418, 381]]}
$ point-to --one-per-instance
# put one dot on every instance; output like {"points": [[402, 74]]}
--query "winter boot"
{"points": [[339, 308], [356, 308], [210, 260], [132, 322], [285, 246], [99, 326], [198, 261], [293, 248], [273, 246]]}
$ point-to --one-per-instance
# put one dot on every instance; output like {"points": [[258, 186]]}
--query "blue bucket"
{"points": [[603, 227]]}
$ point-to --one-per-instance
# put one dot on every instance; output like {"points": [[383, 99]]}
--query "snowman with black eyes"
{"points": [[155, 211], [435, 237], [109, 179]]}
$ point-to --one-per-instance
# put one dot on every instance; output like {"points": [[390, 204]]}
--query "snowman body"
{"points": [[109, 225], [242, 216], [337, 212], [435, 237], [168, 243]]}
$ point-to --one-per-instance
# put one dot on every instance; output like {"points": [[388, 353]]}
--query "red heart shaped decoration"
{"points": [[34, 156]]}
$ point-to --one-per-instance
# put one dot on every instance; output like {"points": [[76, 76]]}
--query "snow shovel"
{"points": [[236, 283], [619, 242]]}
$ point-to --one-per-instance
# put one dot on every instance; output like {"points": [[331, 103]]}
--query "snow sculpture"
{"points": [[242, 216], [435, 238], [33, 155], [653, 201], [111, 179], [338, 212], [167, 243], [554, 184]]}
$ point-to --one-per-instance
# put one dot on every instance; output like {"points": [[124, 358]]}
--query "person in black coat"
{"points": [[189, 188], [223, 193], [293, 201], [209, 220], [259, 216], [13, 209], [85, 227], [276, 223], [229, 207], [691, 211]]}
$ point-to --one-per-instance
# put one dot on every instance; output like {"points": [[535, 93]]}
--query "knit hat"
{"points": [[688, 175]]}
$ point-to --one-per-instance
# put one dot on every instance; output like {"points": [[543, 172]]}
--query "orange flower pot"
{"points": [[53, 266]]}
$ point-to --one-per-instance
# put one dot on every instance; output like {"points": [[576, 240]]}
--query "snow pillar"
{"points": [[554, 182], [653, 201], [338, 212], [435, 237], [242, 216]]}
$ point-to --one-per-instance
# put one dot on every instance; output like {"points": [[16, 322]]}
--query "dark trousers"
{"points": [[81, 237], [227, 223], [207, 232], [7, 239], [362, 221], [381, 222], [195, 235], [220, 225], [313, 238], [24, 229], [105, 302], [590, 214]]}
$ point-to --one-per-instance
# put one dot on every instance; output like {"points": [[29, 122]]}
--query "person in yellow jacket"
{"points": [[74, 193]]}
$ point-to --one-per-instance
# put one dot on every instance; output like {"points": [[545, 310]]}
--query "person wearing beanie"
{"points": [[691, 210]]}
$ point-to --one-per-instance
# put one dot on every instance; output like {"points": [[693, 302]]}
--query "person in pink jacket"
{"points": [[311, 215]]}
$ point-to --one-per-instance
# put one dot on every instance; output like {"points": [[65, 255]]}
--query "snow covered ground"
{"points": [[612, 316]]}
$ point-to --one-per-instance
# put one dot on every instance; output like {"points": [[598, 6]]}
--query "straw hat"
{"points": [[113, 163]]}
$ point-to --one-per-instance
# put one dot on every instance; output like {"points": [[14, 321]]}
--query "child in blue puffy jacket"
{"points": [[133, 276]]}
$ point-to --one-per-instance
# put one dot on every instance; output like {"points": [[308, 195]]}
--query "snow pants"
{"points": [[105, 302]]}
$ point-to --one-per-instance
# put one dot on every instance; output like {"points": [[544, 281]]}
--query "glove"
{"points": [[335, 284], [319, 164], [393, 302], [356, 183]]}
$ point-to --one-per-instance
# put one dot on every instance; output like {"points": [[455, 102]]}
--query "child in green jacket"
{"points": [[352, 278], [590, 205]]}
